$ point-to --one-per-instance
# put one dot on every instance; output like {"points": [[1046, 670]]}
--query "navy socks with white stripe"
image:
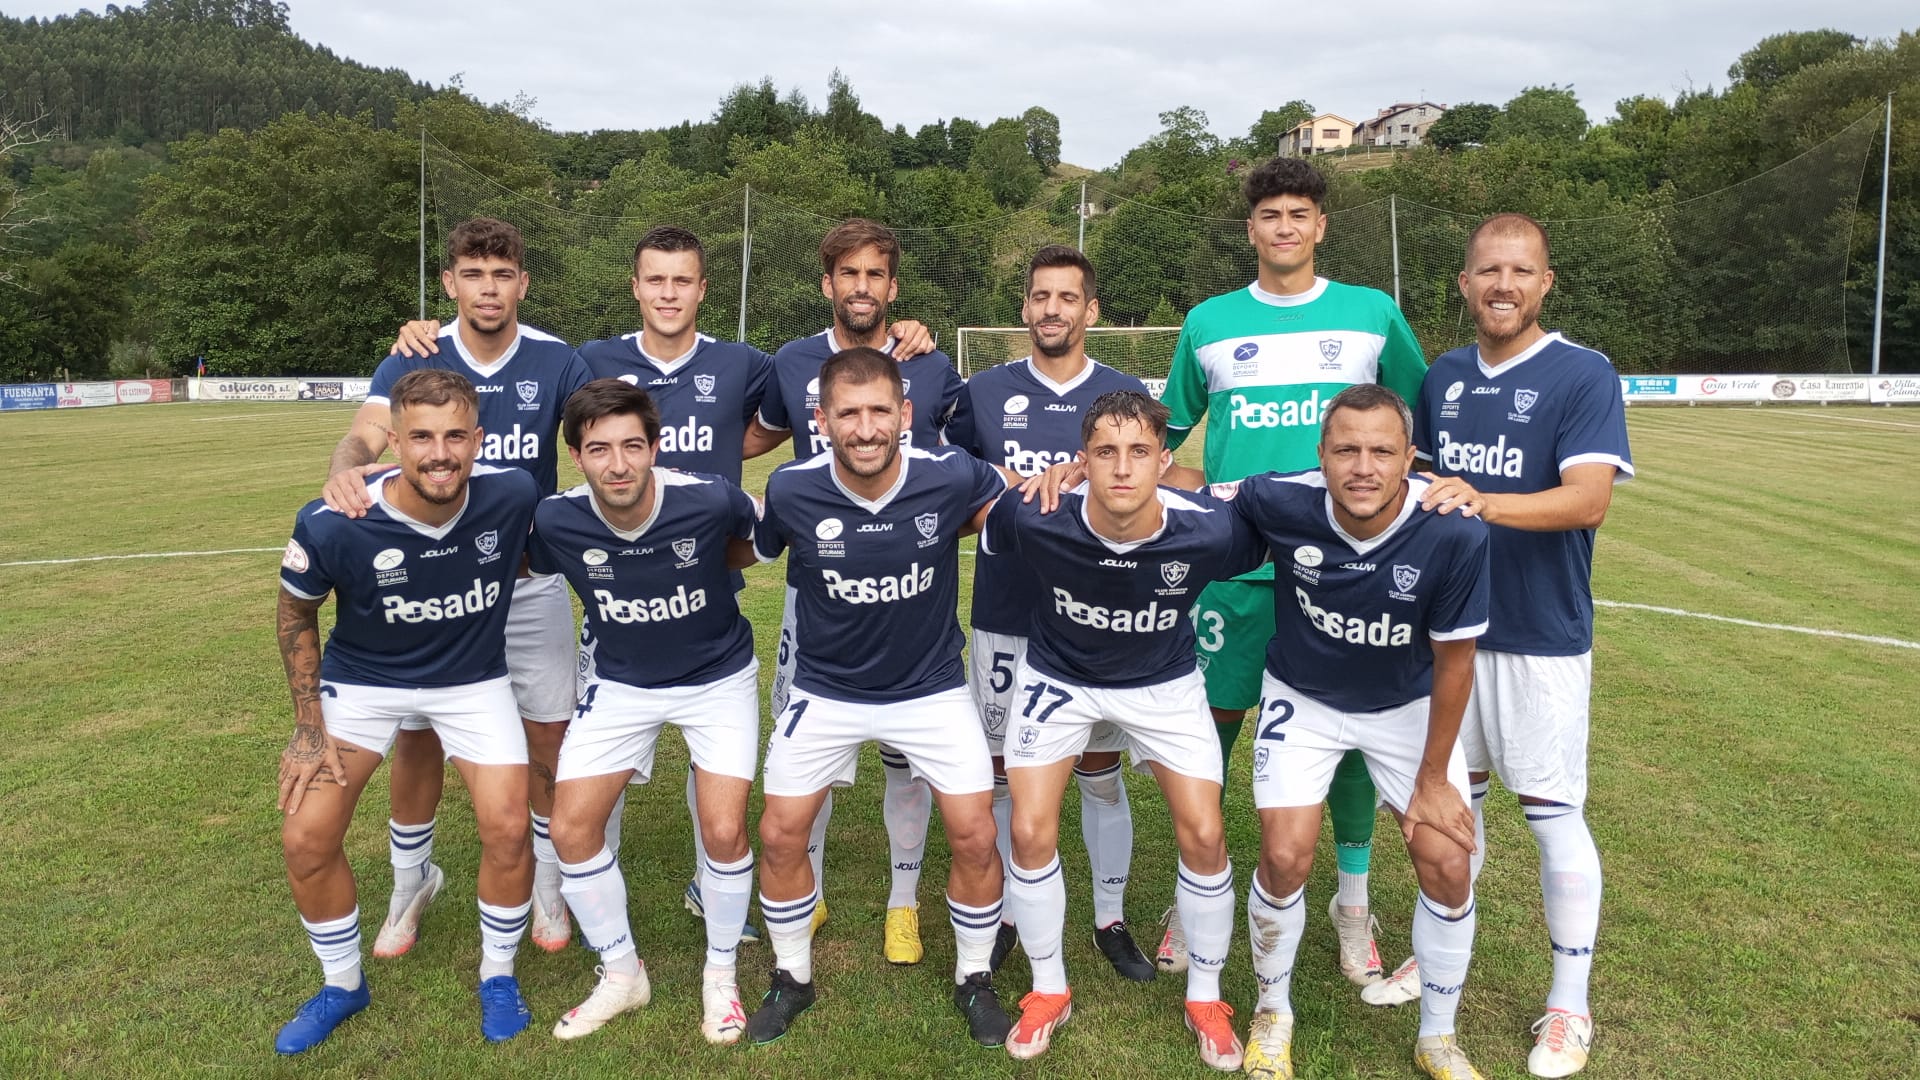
{"points": [[337, 944], [596, 893]]}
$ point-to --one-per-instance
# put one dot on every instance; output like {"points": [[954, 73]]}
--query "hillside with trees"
{"points": [[189, 178]]}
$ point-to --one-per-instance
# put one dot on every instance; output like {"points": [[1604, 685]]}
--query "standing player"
{"points": [[1109, 646], [706, 390], [1025, 416], [1259, 365], [649, 552], [422, 586], [1527, 430], [523, 377], [873, 529], [860, 260], [1372, 651]]}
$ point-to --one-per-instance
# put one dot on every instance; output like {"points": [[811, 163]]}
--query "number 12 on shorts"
{"points": [[1056, 698], [1273, 714]]}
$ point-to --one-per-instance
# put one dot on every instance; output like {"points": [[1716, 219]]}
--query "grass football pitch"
{"points": [[1754, 795]]}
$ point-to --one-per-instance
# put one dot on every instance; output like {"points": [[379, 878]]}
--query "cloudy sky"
{"points": [[1106, 67]]}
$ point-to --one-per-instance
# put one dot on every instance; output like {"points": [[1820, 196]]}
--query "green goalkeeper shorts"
{"points": [[1232, 624]]}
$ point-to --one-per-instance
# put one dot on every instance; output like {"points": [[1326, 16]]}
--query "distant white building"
{"points": [[1328, 131], [1401, 124]]}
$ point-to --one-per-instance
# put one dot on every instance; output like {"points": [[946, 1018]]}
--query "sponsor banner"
{"points": [[1649, 387], [29, 396], [86, 395], [334, 389], [1894, 389], [1819, 388], [245, 389], [1726, 387], [140, 391], [1156, 387]]}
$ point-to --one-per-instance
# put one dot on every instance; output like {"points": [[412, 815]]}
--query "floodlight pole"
{"points": [[423, 222], [1081, 244], [1393, 229], [746, 253], [1880, 276]]}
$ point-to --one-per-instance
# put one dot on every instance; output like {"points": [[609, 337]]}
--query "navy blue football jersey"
{"points": [[521, 395], [1354, 620], [1115, 614], [876, 582], [658, 599], [1018, 418], [1514, 429], [416, 605], [932, 386], [705, 398]]}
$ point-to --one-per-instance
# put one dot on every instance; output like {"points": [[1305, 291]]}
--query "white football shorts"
{"points": [[816, 741], [1053, 720], [478, 722], [617, 727], [1298, 741], [1527, 721], [541, 651], [993, 661]]}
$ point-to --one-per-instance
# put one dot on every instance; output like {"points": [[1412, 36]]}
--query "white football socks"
{"points": [[1037, 901], [1275, 926], [1351, 890], [409, 849], [1478, 800], [790, 932], [1205, 902], [336, 942], [1106, 824], [546, 864], [1570, 884], [597, 894], [1003, 821], [1443, 946], [501, 929], [907, 807], [727, 889], [974, 929]]}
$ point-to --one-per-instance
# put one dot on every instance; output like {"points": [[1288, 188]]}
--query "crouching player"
{"points": [[422, 585], [1122, 560], [649, 551], [1377, 607]]}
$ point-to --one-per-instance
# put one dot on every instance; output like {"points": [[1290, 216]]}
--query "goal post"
{"points": [[1145, 352]]}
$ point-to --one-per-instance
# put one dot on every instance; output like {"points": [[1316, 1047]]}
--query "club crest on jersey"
{"points": [[528, 390], [683, 550], [1330, 352], [295, 557], [703, 383], [1260, 760], [928, 524], [1404, 578], [1173, 573], [996, 719], [1028, 736], [1522, 401], [488, 543]]}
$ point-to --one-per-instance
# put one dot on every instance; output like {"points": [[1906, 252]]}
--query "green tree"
{"points": [[1781, 55], [1544, 113], [1043, 137], [1001, 160], [1468, 123], [1263, 138]]}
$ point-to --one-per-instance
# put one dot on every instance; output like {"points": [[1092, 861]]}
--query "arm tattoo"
{"points": [[352, 451], [299, 633]]}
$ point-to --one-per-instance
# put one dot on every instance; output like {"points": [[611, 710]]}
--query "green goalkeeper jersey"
{"points": [[1260, 367]]}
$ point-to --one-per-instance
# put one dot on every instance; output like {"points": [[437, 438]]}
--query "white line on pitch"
{"points": [[1868, 638], [141, 555], [1857, 420], [259, 415]]}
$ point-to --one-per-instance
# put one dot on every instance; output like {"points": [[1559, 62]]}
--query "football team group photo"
{"points": [[1367, 601]]}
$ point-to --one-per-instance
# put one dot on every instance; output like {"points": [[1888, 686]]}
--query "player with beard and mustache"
{"points": [[422, 583]]}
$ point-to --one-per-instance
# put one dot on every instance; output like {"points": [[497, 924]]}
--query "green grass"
{"points": [[1753, 793]]}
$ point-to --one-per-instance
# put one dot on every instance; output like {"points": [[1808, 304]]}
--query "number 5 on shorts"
{"points": [[1276, 712]]}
